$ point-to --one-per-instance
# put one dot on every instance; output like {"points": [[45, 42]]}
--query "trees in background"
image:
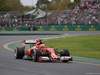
{"points": [[13, 5], [59, 5], [2, 6], [55, 4], [42, 3]]}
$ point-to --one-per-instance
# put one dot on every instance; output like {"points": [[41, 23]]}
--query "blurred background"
{"points": [[17, 13]]}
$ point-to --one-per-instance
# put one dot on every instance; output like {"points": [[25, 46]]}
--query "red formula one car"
{"points": [[39, 52]]}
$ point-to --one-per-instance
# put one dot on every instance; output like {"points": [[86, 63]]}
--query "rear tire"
{"points": [[19, 53], [64, 52], [36, 53]]}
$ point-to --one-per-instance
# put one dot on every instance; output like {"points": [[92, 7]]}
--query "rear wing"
{"points": [[28, 42]]}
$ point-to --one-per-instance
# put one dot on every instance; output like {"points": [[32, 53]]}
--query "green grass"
{"points": [[85, 46]]}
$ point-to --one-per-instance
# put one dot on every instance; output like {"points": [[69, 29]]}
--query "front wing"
{"points": [[63, 58]]}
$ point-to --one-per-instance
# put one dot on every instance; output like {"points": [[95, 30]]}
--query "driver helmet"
{"points": [[42, 45]]}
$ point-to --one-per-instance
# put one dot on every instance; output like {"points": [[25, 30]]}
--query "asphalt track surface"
{"points": [[11, 66]]}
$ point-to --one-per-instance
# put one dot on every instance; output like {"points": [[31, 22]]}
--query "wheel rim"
{"points": [[16, 53], [34, 55]]}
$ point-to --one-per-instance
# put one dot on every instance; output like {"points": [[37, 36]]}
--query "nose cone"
{"points": [[54, 56]]}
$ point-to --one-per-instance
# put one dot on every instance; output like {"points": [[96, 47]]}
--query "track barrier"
{"points": [[54, 28]]}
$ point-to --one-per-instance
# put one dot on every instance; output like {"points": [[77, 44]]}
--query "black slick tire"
{"points": [[19, 53], [64, 52], [36, 53]]}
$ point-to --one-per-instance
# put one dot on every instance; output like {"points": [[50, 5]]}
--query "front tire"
{"points": [[64, 52], [36, 53], [19, 53]]}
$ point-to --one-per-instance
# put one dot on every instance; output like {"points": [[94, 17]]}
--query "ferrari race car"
{"points": [[39, 52]]}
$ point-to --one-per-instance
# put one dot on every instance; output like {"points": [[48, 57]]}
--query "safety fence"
{"points": [[54, 28]]}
